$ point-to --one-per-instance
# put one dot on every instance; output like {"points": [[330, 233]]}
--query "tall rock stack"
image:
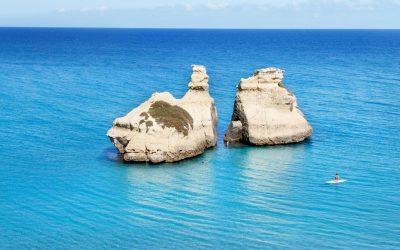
{"points": [[167, 129], [265, 112]]}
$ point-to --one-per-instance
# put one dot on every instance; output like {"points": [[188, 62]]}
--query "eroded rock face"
{"points": [[167, 129], [265, 112]]}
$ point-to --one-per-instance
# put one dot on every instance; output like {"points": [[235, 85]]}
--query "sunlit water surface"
{"points": [[62, 186]]}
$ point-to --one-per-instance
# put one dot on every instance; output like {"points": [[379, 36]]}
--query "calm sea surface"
{"points": [[62, 186]]}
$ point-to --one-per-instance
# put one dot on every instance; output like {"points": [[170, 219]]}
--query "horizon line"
{"points": [[188, 28]]}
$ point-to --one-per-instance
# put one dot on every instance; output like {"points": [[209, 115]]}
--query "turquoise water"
{"points": [[63, 187]]}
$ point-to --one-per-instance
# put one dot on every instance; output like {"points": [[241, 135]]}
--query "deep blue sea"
{"points": [[63, 187]]}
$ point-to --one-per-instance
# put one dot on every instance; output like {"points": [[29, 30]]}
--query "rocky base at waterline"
{"points": [[168, 129], [265, 112]]}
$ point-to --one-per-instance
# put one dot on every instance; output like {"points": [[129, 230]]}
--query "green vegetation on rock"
{"points": [[171, 116], [145, 115]]}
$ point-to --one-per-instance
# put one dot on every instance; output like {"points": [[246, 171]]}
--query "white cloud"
{"points": [[268, 5], [188, 7], [95, 9], [217, 6], [357, 4], [102, 8], [316, 15]]}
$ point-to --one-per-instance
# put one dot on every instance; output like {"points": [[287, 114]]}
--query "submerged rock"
{"points": [[167, 129], [265, 112]]}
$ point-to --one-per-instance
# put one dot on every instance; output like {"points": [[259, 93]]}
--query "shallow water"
{"points": [[62, 186]]}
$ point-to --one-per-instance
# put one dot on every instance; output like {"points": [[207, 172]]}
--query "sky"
{"points": [[281, 14]]}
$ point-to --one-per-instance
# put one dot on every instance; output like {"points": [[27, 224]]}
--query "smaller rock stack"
{"points": [[265, 112]]}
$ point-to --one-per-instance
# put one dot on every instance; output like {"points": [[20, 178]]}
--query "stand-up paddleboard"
{"points": [[335, 181]]}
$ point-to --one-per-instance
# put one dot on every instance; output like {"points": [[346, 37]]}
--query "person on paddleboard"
{"points": [[337, 177]]}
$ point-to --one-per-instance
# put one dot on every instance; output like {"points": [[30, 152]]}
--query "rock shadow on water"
{"points": [[189, 168], [164, 192], [178, 186], [266, 180], [268, 168], [241, 144], [111, 154]]}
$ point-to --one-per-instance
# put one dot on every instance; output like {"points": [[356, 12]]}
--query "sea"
{"points": [[63, 185]]}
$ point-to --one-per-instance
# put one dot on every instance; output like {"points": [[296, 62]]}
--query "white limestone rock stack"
{"points": [[167, 129], [265, 112]]}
